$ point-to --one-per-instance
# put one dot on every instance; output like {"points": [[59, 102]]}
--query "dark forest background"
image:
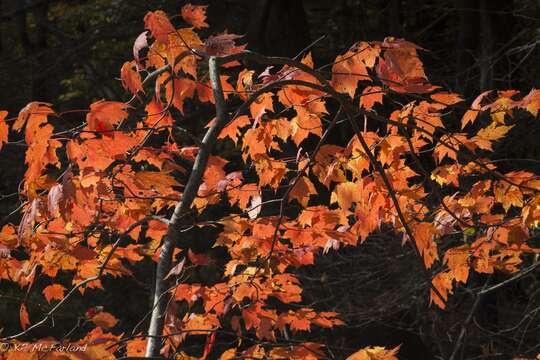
{"points": [[69, 53]]}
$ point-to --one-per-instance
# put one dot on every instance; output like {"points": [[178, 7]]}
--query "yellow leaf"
{"points": [[375, 353], [345, 194]]}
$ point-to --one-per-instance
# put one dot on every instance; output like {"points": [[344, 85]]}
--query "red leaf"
{"points": [[198, 259], [222, 44]]}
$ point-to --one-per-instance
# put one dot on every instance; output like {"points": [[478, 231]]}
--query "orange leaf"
{"points": [[23, 316], [345, 194], [156, 115], [370, 96], [104, 320], [3, 128], [471, 114], [302, 190], [195, 15], [401, 69], [232, 130], [423, 235], [447, 98], [259, 107], [104, 115], [531, 102], [136, 347], [54, 291], [347, 70], [443, 283], [487, 135], [159, 25], [131, 79], [178, 90]]}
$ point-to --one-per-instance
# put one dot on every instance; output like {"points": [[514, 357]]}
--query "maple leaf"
{"points": [[131, 79], [259, 107], [486, 136], [3, 128], [443, 283], [447, 98], [195, 15], [23, 316], [136, 347], [347, 71], [375, 353], [104, 319], [371, 95], [159, 25], [205, 91], [232, 129], [346, 194], [423, 235], [54, 291], [302, 190], [255, 207], [179, 89], [303, 124], [222, 44], [141, 42], [400, 68], [157, 116], [471, 114], [457, 260], [531, 102], [449, 146], [499, 108], [104, 115]]}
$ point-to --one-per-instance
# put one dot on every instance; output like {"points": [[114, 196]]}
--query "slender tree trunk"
{"points": [[161, 296]]}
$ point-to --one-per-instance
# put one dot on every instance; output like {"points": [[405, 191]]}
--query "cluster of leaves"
{"points": [[96, 198]]}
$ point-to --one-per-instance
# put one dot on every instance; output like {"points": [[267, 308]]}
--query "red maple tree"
{"points": [[123, 186]]}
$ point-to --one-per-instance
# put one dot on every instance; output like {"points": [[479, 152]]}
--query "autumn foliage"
{"points": [[97, 199]]}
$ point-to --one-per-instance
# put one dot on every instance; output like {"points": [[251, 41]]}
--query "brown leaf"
{"points": [[176, 269], [222, 44], [104, 320]]}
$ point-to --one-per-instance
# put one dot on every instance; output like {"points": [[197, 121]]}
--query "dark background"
{"points": [[69, 53]]}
